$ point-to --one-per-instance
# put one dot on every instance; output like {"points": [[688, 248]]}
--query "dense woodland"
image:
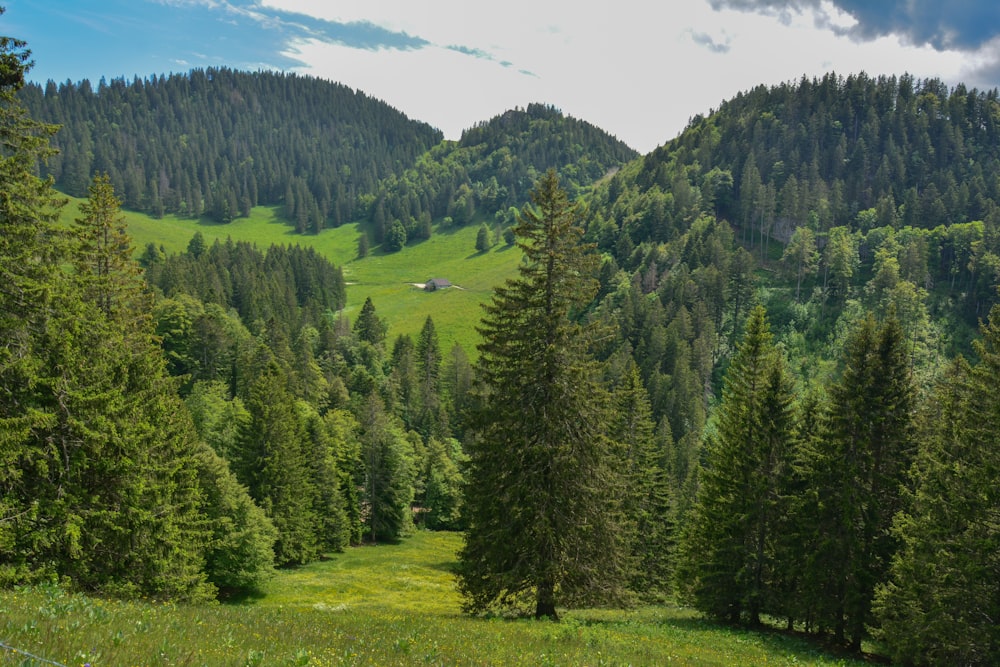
{"points": [[754, 371], [324, 152], [217, 142]]}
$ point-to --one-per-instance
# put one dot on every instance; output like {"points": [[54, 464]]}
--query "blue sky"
{"points": [[636, 68]]}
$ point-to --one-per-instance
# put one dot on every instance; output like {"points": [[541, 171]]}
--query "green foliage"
{"points": [[493, 167], [938, 604], [728, 565], [217, 142], [239, 556], [289, 285], [99, 484], [648, 503], [388, 475], [483, 242], [801, 258], [395, 237], [369, 327], [272, 460], [30, 249], [857, 474], [433, 418], [443, 497], [543, 495]]}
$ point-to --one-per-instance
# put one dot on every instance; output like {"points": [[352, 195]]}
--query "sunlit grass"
{"points": [[383, 605], [385, 277]]}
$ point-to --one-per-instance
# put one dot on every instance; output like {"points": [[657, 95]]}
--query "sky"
{"points": [[637, 69]]}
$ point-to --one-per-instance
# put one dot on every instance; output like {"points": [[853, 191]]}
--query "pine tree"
{"points": [[432, 420], [858, 474], [649, 498], [727, 560], [942, 600], [273, 463], [388, 491], [369, 327], [542, 496]]}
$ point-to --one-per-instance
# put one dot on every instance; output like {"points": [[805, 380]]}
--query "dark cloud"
{"points": [[956, 24], [984, 74], [706, 40]]}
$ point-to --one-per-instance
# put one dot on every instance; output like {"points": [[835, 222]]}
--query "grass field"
{"points": [[385, 277], [384, 605]]}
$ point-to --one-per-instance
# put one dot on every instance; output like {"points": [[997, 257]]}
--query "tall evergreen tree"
{"points": [[369, 326], [649, 498], [727, 561], [333, 528], [432, 420], [105, 455], [858, 476], [543, 495], [29, 263], [239, 556], [272, 461], [104, 251], [387, 476], [942, 601]]}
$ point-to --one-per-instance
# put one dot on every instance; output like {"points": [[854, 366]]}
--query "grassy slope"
{"points": [[384, 277], [385, 605]]}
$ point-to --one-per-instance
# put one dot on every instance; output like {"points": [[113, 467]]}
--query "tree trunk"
{"points": [[545, 603]]}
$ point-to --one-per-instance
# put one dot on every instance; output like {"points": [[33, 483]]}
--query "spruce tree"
{"points": [[30, 253], [543, 495], [333, 528], [649, 498], [942, 600], [103, 254], [272, 461], [727, 561], [108, 466], [369, 327], [387, 476], [432, 420], [858, 474]]}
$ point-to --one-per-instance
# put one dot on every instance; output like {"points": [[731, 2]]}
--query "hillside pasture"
{"points": [[385, 277], [374, 605]]}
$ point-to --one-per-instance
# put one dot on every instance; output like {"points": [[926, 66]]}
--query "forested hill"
{"points": [[492, 168], [887, 178], [821, 200], [920, 154], [218, 141]]}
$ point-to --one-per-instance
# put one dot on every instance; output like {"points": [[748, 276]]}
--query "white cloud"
{"points": [[630, 67]]}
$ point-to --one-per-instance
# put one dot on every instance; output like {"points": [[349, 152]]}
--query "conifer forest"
{"points": [[755, 372]]}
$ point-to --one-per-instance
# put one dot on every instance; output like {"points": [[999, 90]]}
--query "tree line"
{"points": [[217, 142], [489, 172]]}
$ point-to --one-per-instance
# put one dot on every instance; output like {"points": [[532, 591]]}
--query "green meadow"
{"points": [[374, 605], [388, 278]]}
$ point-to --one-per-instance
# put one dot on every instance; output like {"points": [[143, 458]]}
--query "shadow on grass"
{"points": [[451, 567], [237, 597], [774, 639]]}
